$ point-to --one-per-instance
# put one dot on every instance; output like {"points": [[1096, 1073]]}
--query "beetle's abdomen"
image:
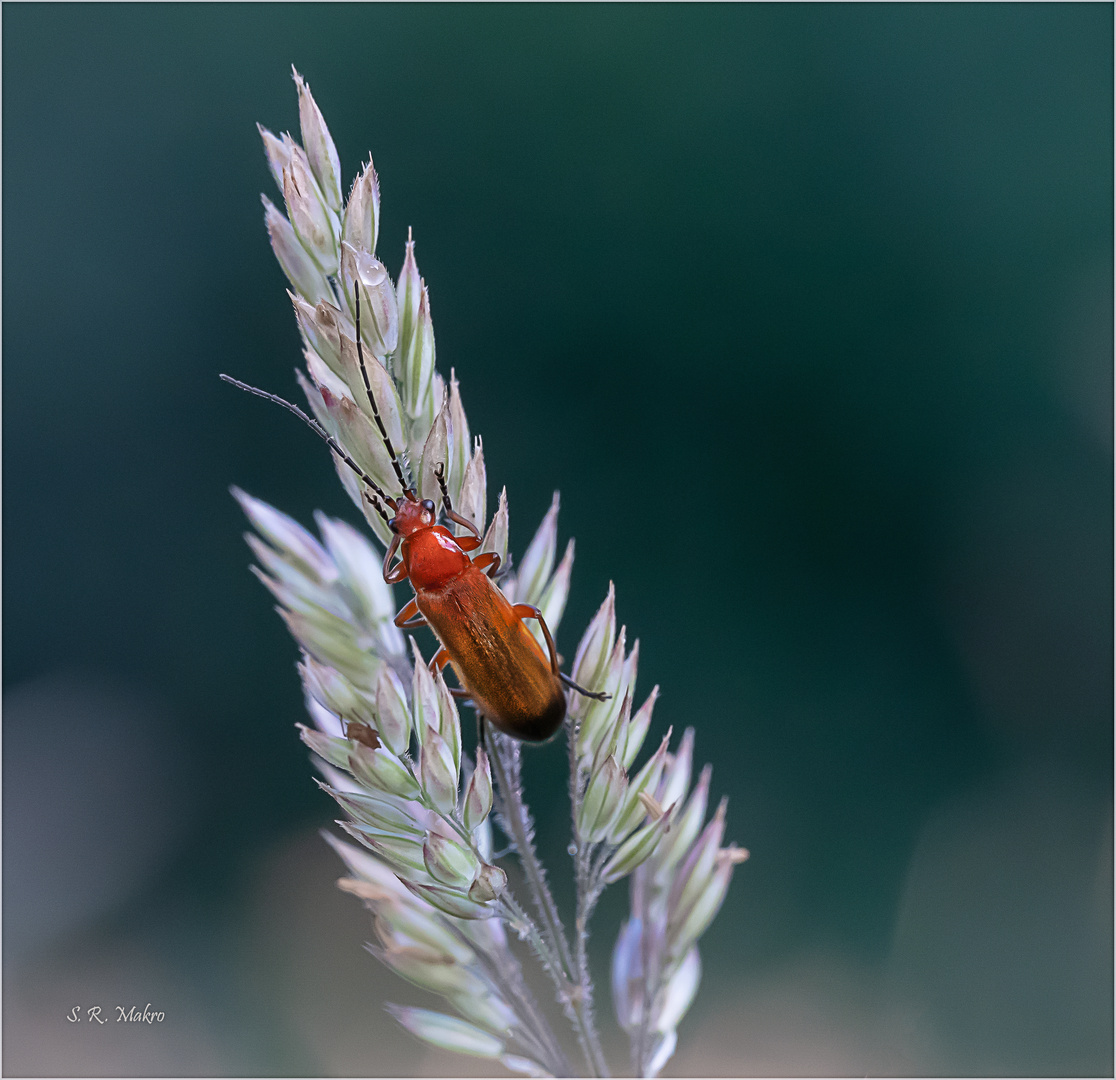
{"points": [[495, 656]]}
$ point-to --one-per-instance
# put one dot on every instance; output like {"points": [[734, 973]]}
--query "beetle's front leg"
{"points": [[395, 574]]}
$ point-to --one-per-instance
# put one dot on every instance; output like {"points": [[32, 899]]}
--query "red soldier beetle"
{"points": [[501, 667]]}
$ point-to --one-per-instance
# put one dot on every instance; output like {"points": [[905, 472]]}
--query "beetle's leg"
{"points": [[453, 515], [437, 663], [489, 559], [595, 695], [468, 543], [409, 615], [529, 611], [399, 571], [440, 476]]}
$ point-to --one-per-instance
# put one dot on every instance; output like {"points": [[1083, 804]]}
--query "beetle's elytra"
{"points": [[499, 664]]}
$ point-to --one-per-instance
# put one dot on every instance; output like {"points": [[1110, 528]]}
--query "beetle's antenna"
{"points": [[440, 476], [334, 445], [377, 506], [404, 487]]}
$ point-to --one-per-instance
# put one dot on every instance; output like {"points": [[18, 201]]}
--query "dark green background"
{"points": [[807, 310]]}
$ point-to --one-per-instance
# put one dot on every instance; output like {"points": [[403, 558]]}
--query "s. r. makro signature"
{"points": [[94, 1014]]}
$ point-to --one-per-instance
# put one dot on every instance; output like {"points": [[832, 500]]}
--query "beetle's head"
{"points": [[412, 515]]}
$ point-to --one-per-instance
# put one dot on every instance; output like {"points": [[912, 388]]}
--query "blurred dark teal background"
{"points": [[807, 310]]}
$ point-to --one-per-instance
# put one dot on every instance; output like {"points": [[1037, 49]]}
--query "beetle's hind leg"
{"points": [[594, 694], [529, 611]]}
